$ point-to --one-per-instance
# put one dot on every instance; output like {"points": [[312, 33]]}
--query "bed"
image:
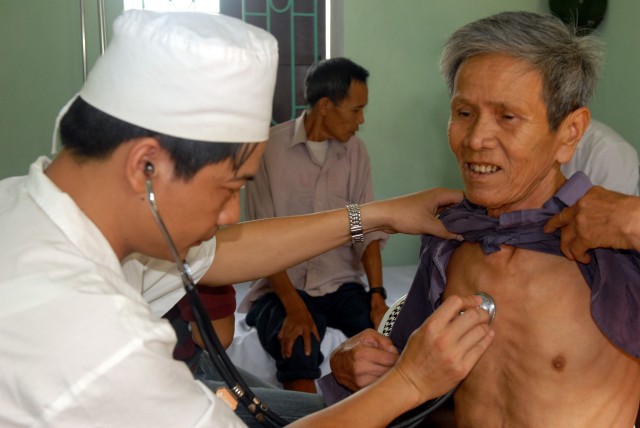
{"points": [[247, 353]]}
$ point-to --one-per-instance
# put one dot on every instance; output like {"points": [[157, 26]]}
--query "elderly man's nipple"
{"points": [[559, 362]]}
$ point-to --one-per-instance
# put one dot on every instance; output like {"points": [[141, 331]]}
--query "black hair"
{"points": [[90, 133], [332, 78]]}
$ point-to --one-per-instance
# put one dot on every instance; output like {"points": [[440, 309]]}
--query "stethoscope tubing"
{"points": [[223, 364], [238, 386]]}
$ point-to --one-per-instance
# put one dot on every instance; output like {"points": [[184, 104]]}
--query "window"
{"points": [[209, 6]]}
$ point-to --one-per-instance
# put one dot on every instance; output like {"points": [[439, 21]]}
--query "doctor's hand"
{"points": [[444, 349], [413, 214], [362, 359], [600, 219]]}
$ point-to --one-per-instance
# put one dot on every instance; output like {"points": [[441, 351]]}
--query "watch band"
{"points": [[355, 223], [380, 290]]}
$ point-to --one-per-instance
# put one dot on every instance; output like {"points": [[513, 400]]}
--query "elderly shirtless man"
{"points": [[566, 348]]}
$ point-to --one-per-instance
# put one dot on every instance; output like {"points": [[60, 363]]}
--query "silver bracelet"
{"points": [[355, 223]]}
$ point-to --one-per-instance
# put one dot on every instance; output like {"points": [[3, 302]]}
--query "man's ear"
{"points": [[323, 105], [570, 132], [145, 159]]}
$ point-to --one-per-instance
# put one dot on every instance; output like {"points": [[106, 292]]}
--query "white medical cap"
{"points": [[189, 75]]}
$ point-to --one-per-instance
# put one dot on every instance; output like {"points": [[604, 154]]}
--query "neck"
{"points": [[314, 126], [536, 197], [96, 192]]}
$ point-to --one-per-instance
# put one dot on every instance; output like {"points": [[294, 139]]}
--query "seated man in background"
{"points": [[315, 163], [607, 159], [566, 349]]}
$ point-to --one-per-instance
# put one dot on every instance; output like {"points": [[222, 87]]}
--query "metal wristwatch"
{"points": [[355, 223]]}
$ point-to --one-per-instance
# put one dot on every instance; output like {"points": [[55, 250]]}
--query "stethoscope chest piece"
{"points": [[487, 304]]}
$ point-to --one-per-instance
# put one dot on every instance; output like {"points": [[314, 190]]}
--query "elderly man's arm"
{"points": [[372, 263], [600, 219], [260, 248], [298, 321], [438, 355]]}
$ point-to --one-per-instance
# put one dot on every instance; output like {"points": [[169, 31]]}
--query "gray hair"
{"points": [[569, 64]]}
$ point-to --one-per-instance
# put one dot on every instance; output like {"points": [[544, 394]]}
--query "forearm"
{"points": [[374, 406], [372, 263], [261, 248], [282, 286]]}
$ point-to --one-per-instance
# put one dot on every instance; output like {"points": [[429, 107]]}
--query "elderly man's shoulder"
{"points": [[282, 129], [356, 146], [599, 136]]}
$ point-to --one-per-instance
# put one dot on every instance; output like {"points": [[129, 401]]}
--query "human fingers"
{"points": [[375, 339], [480, 343], [436, 228], [437, 200], [359, 364], [306, 340], [572, 245], [461, 335], [445, 197], [286, 342], [418, 212], [472, 334], [440, 353], [451, 308], [314, 330], [288, 336], [559, 220], [307, 336]]}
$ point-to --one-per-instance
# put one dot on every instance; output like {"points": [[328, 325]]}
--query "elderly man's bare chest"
{"points": [[542, 301], [546, 341]]}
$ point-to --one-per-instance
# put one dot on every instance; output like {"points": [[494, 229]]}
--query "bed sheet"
{"points": [[247, 353]]}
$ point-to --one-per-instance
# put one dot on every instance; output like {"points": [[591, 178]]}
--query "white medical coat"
{"points": [[79, 345]]}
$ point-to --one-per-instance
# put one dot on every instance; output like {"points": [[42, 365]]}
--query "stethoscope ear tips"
{"points": [[148, 169]]}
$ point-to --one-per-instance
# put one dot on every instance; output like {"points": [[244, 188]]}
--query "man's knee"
{"points": [[300, 365]]}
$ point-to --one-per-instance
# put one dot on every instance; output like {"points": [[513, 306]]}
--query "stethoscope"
{"points": [[414, 416], [243, 394], [259, 410]]}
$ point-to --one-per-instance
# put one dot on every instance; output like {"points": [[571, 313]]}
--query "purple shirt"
{"points": [[612, 275]]}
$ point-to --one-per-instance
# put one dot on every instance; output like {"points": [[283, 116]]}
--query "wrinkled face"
{"points": [[194, 210], [500, 135], [343, 120]]}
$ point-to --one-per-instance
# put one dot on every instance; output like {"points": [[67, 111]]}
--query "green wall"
{"points": [[405, 130], [397, 40], [40, 70]]}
